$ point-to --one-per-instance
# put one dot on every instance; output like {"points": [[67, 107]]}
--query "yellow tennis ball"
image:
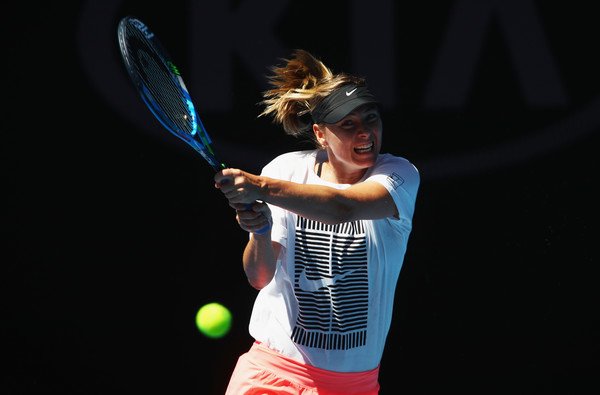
{"points": [[213, 320]]}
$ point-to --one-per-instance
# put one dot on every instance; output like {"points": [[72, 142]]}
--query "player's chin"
{"points": [[365, 158]]}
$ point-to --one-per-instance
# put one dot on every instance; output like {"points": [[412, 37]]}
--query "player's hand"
{"points": [[238, 186], [252, 217]]}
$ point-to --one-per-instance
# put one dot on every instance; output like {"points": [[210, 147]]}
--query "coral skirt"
{"points": [[262, 371]]}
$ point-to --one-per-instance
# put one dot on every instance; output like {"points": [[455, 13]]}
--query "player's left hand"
{"points": [[252, 217]]}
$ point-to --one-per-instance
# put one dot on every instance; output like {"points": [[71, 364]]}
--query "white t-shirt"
{"points": [[330, 302]]}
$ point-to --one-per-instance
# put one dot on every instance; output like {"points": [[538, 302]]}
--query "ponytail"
{"points": [[297, 88]]}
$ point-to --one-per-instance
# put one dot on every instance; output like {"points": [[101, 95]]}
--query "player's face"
{"points": [[353, 143]]}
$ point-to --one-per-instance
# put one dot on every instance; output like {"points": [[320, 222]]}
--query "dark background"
{"points": [[114, 235]]}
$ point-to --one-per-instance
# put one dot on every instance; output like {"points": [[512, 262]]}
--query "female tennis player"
{"points": [[340, 220]]}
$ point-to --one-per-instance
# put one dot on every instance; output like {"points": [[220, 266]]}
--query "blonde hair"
{"points": [[298, 87]]}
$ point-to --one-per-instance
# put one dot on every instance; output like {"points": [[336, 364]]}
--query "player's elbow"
{"points": [[259, 279], [258, 283]]}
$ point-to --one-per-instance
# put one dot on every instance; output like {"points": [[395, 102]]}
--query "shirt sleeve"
{"points": [[279, 227], [401, 179]]}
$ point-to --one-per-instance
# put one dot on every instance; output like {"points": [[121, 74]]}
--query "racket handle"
{"points": [[263, 230]]}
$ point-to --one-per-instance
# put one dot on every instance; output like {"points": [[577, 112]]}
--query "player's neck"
{"points": [[337, 175]]}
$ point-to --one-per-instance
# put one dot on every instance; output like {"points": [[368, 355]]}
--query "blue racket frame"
{"points": [[197, 138]]}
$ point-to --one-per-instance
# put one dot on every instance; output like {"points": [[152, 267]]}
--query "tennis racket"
{"points": [[159, 82]]}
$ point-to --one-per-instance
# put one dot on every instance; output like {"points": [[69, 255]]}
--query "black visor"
{"points": [[341, 102]]}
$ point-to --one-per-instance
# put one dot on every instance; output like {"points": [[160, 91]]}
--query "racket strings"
{"points": [[161, 88]]}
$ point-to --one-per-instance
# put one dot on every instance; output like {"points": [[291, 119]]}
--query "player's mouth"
{"points": [[365, 148]]}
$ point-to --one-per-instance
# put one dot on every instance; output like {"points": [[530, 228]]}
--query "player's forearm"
{"points": [[322, 203], [259, 260]]}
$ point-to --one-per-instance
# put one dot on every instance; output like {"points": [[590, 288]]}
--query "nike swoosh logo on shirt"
{"points": [[307, 285], [351, 92]]}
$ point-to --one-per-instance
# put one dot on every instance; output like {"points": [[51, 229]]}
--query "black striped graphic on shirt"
{"points": [[331, 285]]}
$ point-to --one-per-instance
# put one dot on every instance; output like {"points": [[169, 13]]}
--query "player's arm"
{"points": [[260, 255], [366, 200], [260, 259]]}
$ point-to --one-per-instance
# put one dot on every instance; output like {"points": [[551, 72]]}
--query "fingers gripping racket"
{"points": [[160, 84]]}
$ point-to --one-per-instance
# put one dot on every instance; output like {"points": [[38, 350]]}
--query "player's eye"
{"points": [[373, 115]]}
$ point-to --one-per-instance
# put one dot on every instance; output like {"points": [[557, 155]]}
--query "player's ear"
{"points": [[319, 135]]}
